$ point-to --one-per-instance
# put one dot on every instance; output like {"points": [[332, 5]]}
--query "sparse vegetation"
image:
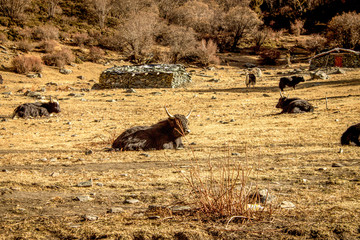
{"points": [[26, 64]]}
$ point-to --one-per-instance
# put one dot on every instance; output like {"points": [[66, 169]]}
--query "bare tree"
{"points": [[14, 9], [238, 22], [102, 9], [137, 35], [52, 7]]}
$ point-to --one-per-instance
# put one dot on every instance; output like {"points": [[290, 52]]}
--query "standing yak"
{"points": [[293, 105], [290, 82], [165, 134], [351, 135], [37, 109]]}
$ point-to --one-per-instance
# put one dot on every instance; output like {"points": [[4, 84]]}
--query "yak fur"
{"points": [[290, 82], [294, 105], [37, 109], [165, 134], [351, 135]]}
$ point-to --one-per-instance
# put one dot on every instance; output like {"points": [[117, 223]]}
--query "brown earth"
{"points": [[43, 160]]}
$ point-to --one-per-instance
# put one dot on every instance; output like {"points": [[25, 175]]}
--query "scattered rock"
{"points": [[65, 71], [54, 174], [337, 165], [153, 217], [116, 210], [180, 208], [85, 198], [145, 154], [130, 90], [88, 152], [131, 201], [86, 183], [287, 205], [90, 217]]}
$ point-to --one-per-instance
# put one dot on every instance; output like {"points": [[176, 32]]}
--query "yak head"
{"points": [[179, 123], [281, 101], [53, 106]]}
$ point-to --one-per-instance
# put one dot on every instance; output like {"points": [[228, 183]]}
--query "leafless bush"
{"points": [[297, 27], [207, 53], [261, 36], [344, 30], [59, 58], [14, 9], [137, 35], [315, 43], [81, 39], [46, 32], [270, 56], [3, 38], [95, 54], [182, 43], [26, 64], [223, 190], [195, 14], [49, 46], [25, 46]]}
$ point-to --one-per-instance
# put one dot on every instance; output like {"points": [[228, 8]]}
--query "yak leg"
{"points": [[179, 144], [355, 139]]}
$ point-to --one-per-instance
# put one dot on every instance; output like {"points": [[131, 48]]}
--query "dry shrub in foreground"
{"points": [[59, 58], [223, 190], [95, 54], [26, 64]]}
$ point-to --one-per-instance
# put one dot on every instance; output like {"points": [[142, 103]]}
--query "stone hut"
{"points": [[144, 76], [337, 57]]}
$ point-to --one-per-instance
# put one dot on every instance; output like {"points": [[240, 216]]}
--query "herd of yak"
{"points": [[167, 134]]}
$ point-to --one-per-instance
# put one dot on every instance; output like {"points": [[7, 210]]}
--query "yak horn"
{"points": [[51, 99], [281, 95], [187, 116], [170, 116]]}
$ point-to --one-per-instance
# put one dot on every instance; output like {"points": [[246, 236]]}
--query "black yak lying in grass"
{"points": [[290, 82], [37, 109], [165, 134], [294, 105], [351, 135]]}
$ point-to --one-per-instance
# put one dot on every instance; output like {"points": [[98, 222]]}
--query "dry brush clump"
{"points": [[26, 64], [223, 190], [59, 58]]}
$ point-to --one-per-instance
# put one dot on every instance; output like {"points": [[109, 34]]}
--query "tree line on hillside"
{"points": [[189, 30]]}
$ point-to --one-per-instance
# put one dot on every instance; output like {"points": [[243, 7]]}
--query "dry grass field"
{"points": [[296, 157]]}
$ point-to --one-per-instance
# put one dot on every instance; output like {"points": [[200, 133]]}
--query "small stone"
{"points": [[266, 95], [322, 169], [65, 71], [84, 198], [111, 100], [131, 201], [154, 217], [235, 154], [116, 210], [192, 143], [287, 205], [180, 208], [43, 159], [130, 90], [86, 183], [337, 165], [54, 174], [341, 150], [99, 184], [124, 175], [90, 217], [88, 152], [213, 97], [145, 154]]}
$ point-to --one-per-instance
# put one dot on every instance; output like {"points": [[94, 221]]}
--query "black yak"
{"points": [[293, 105], [165, 134], [290, 82], [351, 135], [250, 79], [37, 109]]}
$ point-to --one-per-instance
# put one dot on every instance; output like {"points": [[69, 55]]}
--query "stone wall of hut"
{"points": [[349, 60], [144, 76]]}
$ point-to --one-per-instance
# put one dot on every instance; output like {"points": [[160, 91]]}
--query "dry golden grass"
{"points": [[285, 153]]}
